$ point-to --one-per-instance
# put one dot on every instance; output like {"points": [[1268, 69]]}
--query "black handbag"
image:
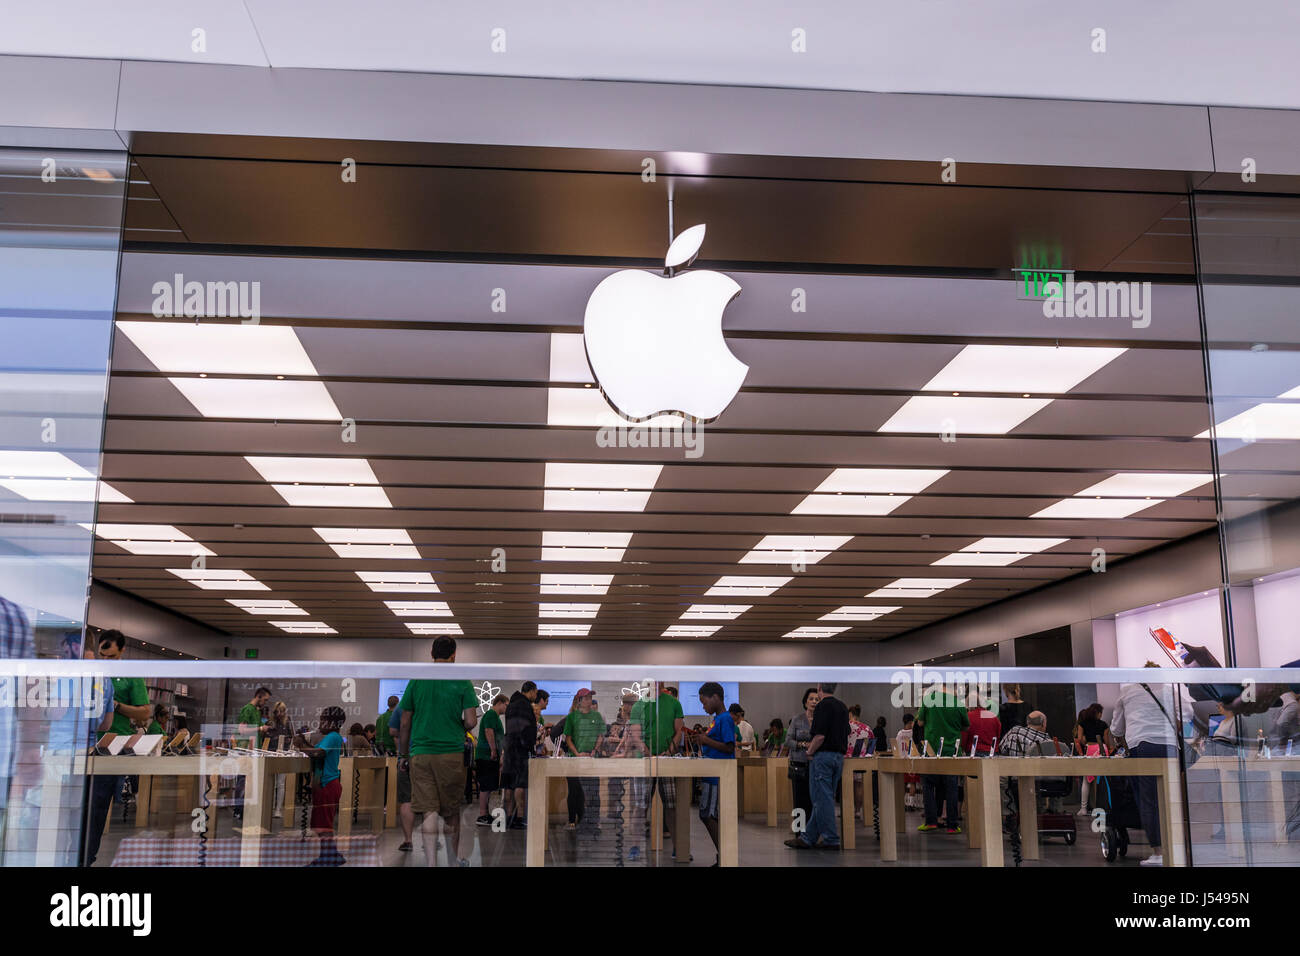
{"points": [[797, 770]]}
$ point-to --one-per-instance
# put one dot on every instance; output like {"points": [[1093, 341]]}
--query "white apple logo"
{"points": [[655, 342]]}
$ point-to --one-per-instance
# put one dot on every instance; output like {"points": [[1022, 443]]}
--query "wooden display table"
{"points": [[259, 772], [1232, 774], [363, 780], [541, 771], [984, 798]]}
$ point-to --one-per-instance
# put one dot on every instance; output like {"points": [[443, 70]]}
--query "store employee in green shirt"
{"points": [[382, 734], [661, 724], [584, 730], [436, 714], [251, 718], [943, 717], [130, 702]]}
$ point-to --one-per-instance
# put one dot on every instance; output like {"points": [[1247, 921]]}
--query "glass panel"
{"points": [[59, 245]]}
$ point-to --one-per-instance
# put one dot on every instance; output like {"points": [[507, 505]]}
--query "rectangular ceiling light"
{"points": [[417, 628], [266, 606], [867, 491], [962, 415], [399, 582], [334, 496], [916, 587], [587, 408], [584, 475], [419, 608], [569, 358], [997, 552], [732, 585], [230, 349], [546, 609], [137, 532], [714, 612], [584, 545], [53, 476], [385, 543], [1273, 420], [189, 548], [1117, 496], [317, 471], [857, 613], [259, 399], [809, 631], [576, 583], [563, 630], [219, 579], [304, 627], [785, 548], [1021, 368], [558, 500], [691, 630]]}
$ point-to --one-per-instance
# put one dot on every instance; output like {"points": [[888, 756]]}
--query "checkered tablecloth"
{"points": [[292, 850]]}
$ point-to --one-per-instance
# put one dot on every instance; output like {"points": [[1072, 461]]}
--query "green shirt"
{"points": [[945, 721], [127, 690], [490, 720], [153, 728], [252, 717], [585, 729], [658, 719], [436, 709], [384, 738]]}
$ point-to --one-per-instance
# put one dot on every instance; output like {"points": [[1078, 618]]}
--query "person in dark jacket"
{"points": [[521, 735]]}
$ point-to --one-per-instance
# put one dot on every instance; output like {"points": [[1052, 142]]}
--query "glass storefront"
{"points": [[1009, 453], [60, 244]]}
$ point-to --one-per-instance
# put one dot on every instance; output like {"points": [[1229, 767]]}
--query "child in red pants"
{"points": [[326, 786]]}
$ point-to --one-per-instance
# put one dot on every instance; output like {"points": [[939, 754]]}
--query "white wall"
{"points": [[1277, 619], [1195, 620]]}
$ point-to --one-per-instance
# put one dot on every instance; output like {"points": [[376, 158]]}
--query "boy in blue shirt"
{"points": [[327, 789], [717, 743]]}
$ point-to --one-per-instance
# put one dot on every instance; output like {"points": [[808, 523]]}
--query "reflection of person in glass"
{"points": [[130, 703]]}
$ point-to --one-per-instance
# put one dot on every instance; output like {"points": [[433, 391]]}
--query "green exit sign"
{"points": [[250, 652]]}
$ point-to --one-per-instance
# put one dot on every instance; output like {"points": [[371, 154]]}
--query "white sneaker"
{"points": [[1155, 859]]}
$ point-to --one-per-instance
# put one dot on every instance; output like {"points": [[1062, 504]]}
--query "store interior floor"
{"points": [[760, 845]]}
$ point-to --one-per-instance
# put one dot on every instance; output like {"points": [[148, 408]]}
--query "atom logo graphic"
{"points": [[486, 694], [642, 691]]}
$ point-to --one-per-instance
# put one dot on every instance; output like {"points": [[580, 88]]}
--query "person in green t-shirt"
{"points": [[584, 732], [487, 756], [159, 721], [382, 733], [251, 718], [130, 703], [660, 724], [942, 718], [436, 714]]}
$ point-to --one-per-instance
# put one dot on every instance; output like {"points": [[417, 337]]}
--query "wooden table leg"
{"points": [[900, 802], [390, 795], [990, 818], [656, 816], [1027, 795], [740, 789], [682, 821], [728, 823], [537, 815], [972, 814], [1172, 849], [848, 832], [346, 773], [144, 793], [771, 792], [379, 776], [889, 824], [259, 795]]}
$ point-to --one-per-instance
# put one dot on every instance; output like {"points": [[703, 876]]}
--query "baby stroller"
{"points": [[1056, 824], [1115, 796]]}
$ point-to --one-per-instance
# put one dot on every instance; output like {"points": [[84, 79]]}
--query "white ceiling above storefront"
{"points": [[1193, 51]]}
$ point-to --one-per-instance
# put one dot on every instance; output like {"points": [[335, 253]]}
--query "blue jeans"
{"points": [[823, 780]]}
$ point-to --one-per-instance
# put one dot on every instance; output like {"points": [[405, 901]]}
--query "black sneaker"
{"points": [[484, 821]]}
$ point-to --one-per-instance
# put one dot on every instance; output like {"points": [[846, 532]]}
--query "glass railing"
{"points": [[297, 764]]}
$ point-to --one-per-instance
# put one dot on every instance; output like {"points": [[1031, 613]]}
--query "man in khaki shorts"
{"points": [[436, 714]]}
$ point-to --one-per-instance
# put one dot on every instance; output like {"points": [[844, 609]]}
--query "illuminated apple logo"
{"points": [[655, 342]]}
